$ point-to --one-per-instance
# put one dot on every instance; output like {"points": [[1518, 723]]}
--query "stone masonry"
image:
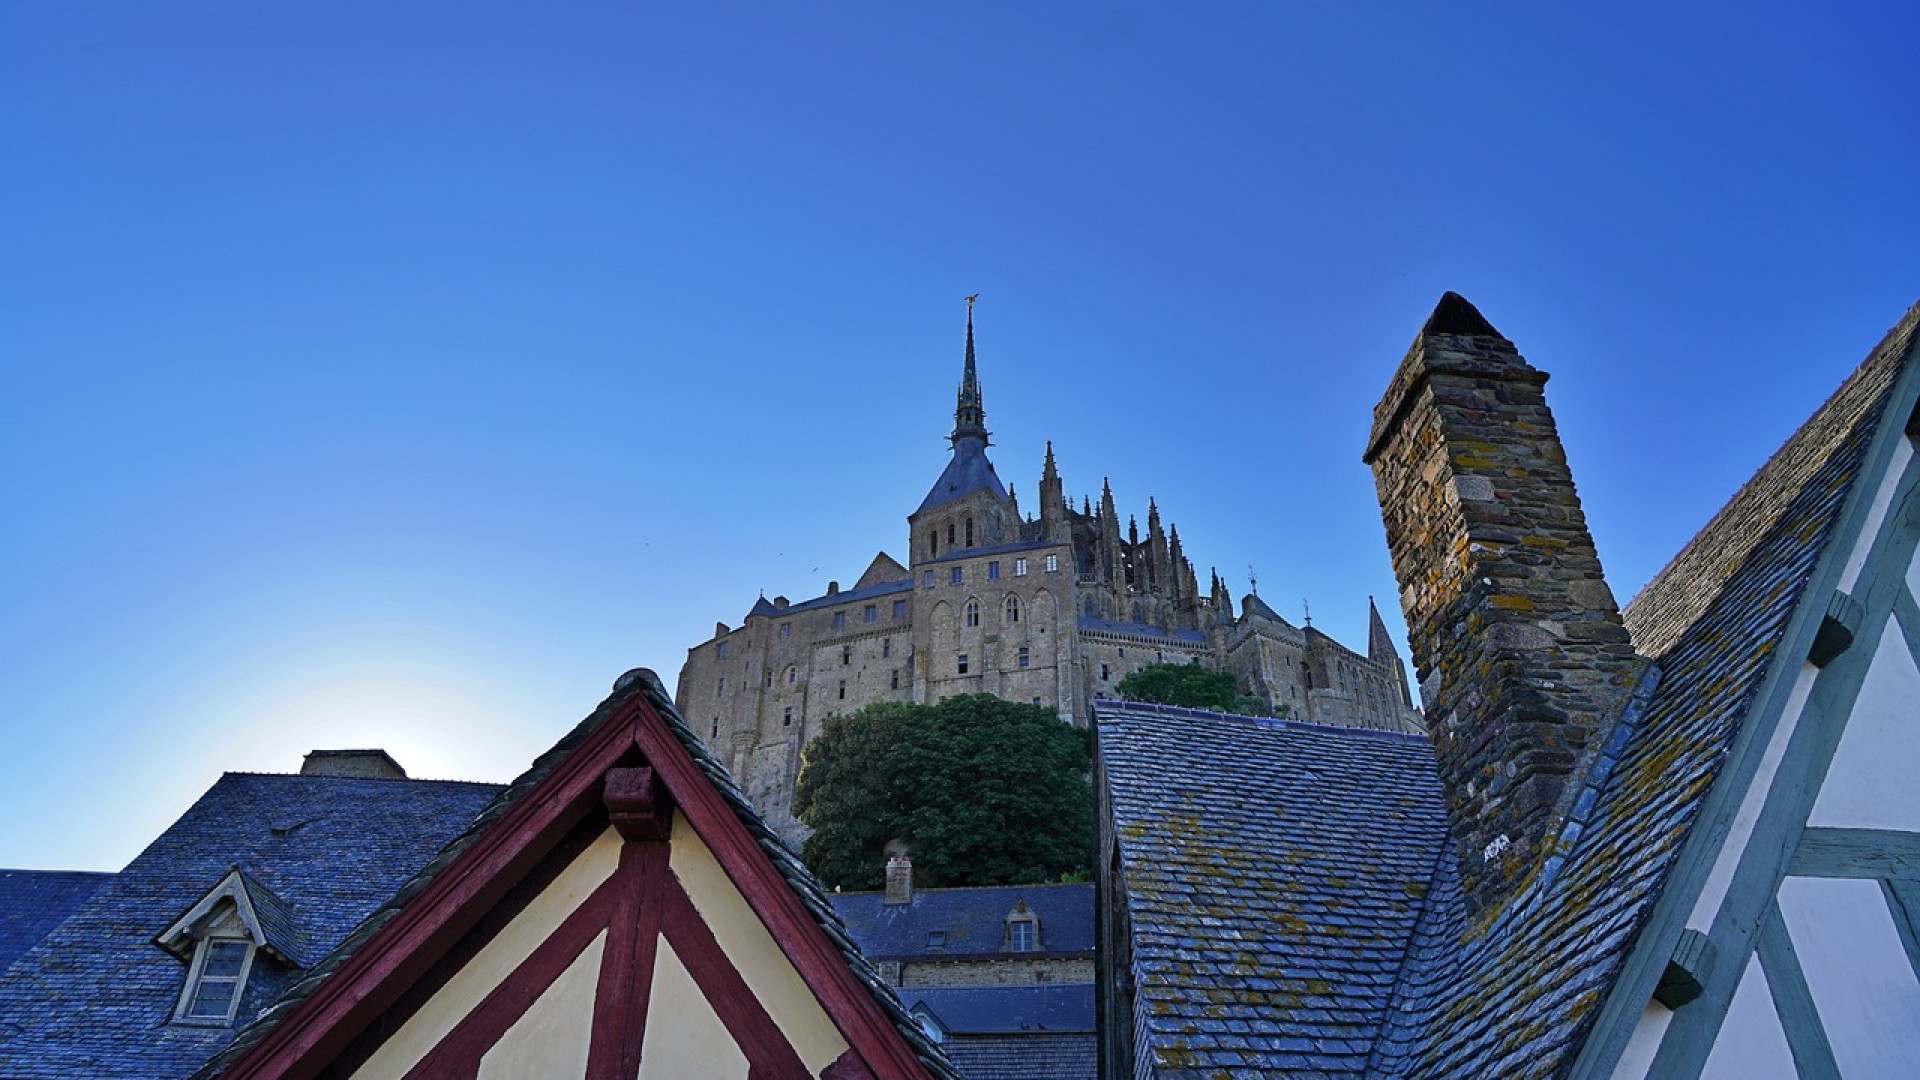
{"points": [[1517, 639], [1052, 609]]}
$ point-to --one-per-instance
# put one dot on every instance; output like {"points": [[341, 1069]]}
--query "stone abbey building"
{"points": [[1053, 609]]}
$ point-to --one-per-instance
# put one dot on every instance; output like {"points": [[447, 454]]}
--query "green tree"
{"points": [[1189, 686], [982, 791]]}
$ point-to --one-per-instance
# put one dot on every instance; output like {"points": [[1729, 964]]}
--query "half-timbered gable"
{"points": [[619, 912]]}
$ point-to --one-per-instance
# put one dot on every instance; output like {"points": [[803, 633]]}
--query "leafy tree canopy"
{"points": [[1189, 686], [982, 791]]}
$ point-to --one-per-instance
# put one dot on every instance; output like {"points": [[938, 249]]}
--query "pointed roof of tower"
{"points": [[969, 471], [969, 415], [1379, 642], [1048, 471]]}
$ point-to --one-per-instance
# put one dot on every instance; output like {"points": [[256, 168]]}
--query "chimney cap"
{"points": [[1454, 315]]}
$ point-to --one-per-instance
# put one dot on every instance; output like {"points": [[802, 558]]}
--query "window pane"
{"points": [[224, 959]]}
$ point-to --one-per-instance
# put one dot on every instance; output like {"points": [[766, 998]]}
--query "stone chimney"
{"points": [[899, 879], [356, 764], [1521, 654]]}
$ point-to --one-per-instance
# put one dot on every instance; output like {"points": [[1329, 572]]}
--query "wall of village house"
{"points": [[998, 971]]}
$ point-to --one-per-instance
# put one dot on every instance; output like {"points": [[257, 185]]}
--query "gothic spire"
{"points": [[969, 417], [1379, 641], [1047, 471]]}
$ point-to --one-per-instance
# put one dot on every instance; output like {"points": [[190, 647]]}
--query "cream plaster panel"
{"points": [[1751, 1044], [1647, 1033], [1877, 514], [550, 1040], [1751, 804], [508, 949], [685, 1038], [753, 951], [1870, 784], [1863, 987]]}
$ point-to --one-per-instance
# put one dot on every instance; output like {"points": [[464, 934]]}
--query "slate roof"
{"points": [[1005, 1010], [805, 886], [1070, 1056], [1137, 629], [968, 471], [1273, 873], [33, 902], [93, 998], [1519, 1000], [971, 920], [847, 596], [1220, 852]]}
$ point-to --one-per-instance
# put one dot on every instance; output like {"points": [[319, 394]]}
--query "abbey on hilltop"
{"points": [[1054, 610]]}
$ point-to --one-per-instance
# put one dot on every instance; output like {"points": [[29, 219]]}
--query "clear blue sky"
{"points": [[398, 375]]}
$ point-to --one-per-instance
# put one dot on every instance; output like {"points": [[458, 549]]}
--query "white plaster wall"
{"points": [[1870, 531], [685, 1039], [1755, 799], [753, 951], [1863, 986], [1874, 781], [551, 1039], [1647, 1033], [1751, 1044], [508, 949]]}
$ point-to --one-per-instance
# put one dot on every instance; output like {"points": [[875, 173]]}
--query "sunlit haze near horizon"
{"points": [[399, 375]]}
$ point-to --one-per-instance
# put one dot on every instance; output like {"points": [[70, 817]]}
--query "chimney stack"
{"points": [[899, 879], [1521, 654]]}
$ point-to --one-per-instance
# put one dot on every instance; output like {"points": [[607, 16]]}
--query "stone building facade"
{"points": [[1053, 608]]}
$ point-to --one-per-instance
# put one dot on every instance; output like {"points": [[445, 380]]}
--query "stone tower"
{"points": [[1516, 637]]}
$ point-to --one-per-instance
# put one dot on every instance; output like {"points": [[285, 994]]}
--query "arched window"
{"points": [[1013, 609], [973, 613], [969, 532], [793, 673], [949, 534]]}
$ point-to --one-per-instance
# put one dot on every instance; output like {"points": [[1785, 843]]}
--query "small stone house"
{"points": [[1679, 840], [1000, 976]]}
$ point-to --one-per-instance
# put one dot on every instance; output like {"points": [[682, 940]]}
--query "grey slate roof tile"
{"points": [[94, 997], [1070, 1056], [972, 920], [33, 902], [987, 1010], [1519, 997], [1272, 872]]}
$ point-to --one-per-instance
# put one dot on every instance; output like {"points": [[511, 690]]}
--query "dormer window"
{"points": [[1023, 929], [220, 937]]}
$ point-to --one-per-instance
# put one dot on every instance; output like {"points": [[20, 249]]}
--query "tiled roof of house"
{"points": [[33, 902], [1519, 999], [1257, 953], [804, 885], [93, 998], [1067, 1056], [1273, 873], [970, 922], [1004, 1010]]}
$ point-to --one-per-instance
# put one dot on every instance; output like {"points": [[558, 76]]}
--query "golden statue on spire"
{"points": [[970, 301]]}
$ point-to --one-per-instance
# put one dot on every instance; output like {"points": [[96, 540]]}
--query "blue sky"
{"points": [[398, 375]]}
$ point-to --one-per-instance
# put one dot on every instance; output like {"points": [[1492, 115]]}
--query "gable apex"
{"points": [[484, 885]]}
